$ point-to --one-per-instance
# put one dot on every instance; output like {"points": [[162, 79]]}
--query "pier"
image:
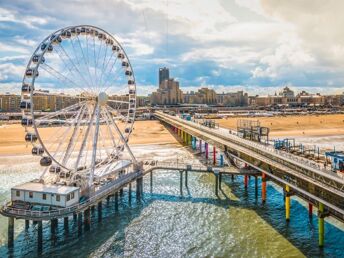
{"points": [[317, 185]]}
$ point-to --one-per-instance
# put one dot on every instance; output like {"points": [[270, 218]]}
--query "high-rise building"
{"points": [[164, 74]]}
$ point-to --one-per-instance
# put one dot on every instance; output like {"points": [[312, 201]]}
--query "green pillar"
{"points": [[321, 225]]}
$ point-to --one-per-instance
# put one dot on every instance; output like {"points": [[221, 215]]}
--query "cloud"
{"points": [[287, 58], [226, 44], [10, 71], [318, 23], [28, 20]]}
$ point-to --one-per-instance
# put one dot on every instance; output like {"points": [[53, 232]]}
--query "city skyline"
{"points": [[253, 46]]}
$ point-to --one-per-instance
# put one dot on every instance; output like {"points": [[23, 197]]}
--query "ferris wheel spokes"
{"points": [[76, 70], [80, 140], [72, 139]]}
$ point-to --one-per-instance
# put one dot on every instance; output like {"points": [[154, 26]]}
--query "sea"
{"points": [[170, 223]]}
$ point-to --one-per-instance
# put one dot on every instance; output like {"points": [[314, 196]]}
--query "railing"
{"points": [[256, 147], [6, 209]]}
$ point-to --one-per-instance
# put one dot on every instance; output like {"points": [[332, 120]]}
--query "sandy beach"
{"points": [[309, 125], [145, 132], [153, 132]]}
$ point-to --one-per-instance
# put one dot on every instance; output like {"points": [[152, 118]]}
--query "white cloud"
{"points": [[9, 70], [276, 39], [289, 56], [28, 20], [13, 48], [318, 23]]}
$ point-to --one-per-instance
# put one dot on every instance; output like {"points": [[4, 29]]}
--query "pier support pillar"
{"points": [[214, 155], [79, 223], [27, 224], [246, 181], [206, 151], [151, 181], [87, 219], [321, 225], [287, 203], [53, 226], [100, 210], [186, 178], [221, 160], [194, 143], [216, 184], [129, 194], [181, 182], [139, 189], [65, 223], [220, 180], [10, 232], [40, 236], [116, 201], [263, 187], [310, 210]]}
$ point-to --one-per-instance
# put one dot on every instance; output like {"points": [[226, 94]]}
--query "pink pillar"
{"points": [[206, 150], [214, 155]]}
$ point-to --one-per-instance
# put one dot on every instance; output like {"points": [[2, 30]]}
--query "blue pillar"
{"points": [[194, 139], [221, 160]]}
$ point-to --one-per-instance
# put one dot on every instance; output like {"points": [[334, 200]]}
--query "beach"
{"points": [[293, 125], [145, 132], [153, 132]]}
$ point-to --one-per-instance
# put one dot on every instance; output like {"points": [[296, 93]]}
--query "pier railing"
{"points": [[259, 148], [6, 209]]}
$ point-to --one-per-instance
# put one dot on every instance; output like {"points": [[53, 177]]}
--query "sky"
{"points": [[257, 46]]}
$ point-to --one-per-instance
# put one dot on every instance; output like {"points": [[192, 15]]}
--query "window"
{"points": [[31, 194], [44, 196], [18, 193], [57, 197], [68, 197], [72, 195]]}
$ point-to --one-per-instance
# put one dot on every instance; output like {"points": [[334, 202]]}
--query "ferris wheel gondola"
{"points": [[92, 129]]}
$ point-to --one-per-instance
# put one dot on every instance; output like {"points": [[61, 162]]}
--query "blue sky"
{"points": [[228, 45]]}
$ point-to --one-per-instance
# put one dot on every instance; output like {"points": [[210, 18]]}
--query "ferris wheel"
{"points": [[82, 75]]}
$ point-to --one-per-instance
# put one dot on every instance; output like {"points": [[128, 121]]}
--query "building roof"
{"points": [[45, 188]]}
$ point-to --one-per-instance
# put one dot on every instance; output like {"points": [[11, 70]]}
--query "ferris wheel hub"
{"points": [[102, 98]]}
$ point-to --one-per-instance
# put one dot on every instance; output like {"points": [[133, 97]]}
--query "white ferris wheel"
{"points": [[86, 75]]}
